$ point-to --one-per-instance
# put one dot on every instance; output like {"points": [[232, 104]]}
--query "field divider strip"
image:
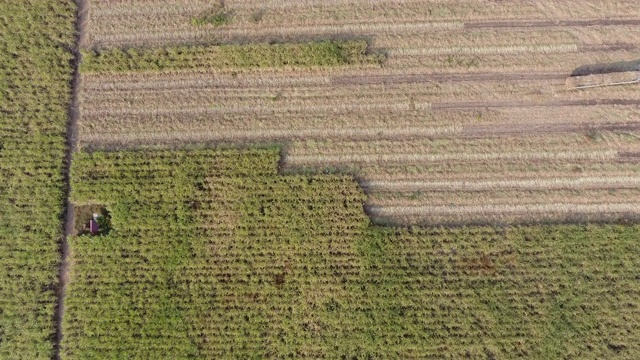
{"points": [[441, 77], [337, 108], [214, 79], [520, 103], [549, 23], [538, 184], [249, 109], [485, 50], [268, 134], [485, 130], [150, 37], [354, 29], [381, 158], [72, 141], [185, 80], [557, 208]]}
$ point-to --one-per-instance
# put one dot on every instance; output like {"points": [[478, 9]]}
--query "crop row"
{"points": [[324, 53]]}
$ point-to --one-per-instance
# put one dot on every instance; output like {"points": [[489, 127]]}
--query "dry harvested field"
{"points": [[469, 119]]}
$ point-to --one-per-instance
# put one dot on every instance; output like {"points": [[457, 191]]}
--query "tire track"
{"points": [[545, 184], [549, 23], [549, 103], [540, 129], [442, 77], [319, 32], [507, 209]]}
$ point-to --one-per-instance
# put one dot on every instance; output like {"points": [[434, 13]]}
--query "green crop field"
{"points": [[35, 93], [324, 53], [419, 114], [211, 254]]}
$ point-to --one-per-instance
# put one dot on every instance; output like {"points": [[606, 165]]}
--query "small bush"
{"points": [[257, 16], [217, 16]]}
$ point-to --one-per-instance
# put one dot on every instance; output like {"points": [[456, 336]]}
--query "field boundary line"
{"points": [[504, 209], [476, 131], [514, 103], [162, 36], [416, 157], [301, 108], [548, 23], [609, 84], [314, 133], [484, 50], [441, 77], [72, 140], [490, 185]]}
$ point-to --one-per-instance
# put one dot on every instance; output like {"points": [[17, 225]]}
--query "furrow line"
{"points": [[105, 138], [550, 23], [393, 158], [506, 209], [588, 182]]}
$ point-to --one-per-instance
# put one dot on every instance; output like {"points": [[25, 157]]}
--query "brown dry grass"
{"points": [[548, 143], [497, 171], [507, 213], [145, 22], [319, 160], [580, 182], [469, 120]]}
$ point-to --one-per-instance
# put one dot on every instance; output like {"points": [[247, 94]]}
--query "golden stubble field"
{"points": [[470, 119]]}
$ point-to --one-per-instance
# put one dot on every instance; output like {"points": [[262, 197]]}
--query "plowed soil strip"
{"points": [[527, 184], [629, 155], [550, 23], [483, 219], [608, 48], [424, 158], [505, 209], [531, 129], [427, 78], [508, 104], [159, 137]]}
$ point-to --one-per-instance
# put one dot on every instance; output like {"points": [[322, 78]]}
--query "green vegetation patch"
{"points": [[35, 93], [213, 255], [218, 15], [324, 53]]}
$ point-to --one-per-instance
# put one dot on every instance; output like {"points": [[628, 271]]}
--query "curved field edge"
{"points": [[35, 93], [212, 254], [311, 54]]}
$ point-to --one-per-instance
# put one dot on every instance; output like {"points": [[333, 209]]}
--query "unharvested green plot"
{"points": [[324, 53], [211, 254], [35, 92]]}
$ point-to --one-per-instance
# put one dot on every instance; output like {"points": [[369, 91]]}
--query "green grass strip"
{"points": [[35, 93], [312, 54]]}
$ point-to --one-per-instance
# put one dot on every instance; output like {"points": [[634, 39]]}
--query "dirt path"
{"points": [[549, 23], [427, 78], [478, 131], [523, 103], [72, 139]]}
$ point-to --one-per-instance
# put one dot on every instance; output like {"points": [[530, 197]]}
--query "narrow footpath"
{"points": [[72, 140]]}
